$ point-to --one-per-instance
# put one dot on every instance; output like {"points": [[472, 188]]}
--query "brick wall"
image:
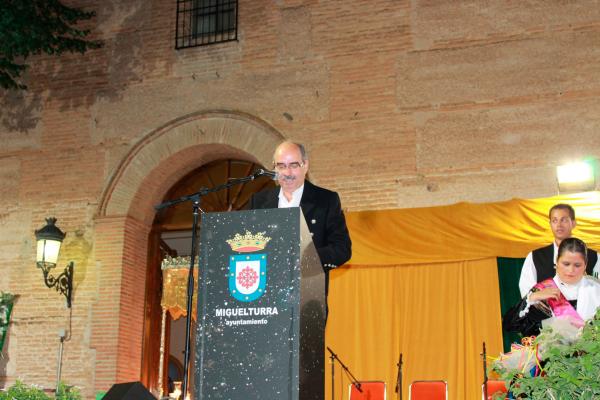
{"points": [[401, 104]]}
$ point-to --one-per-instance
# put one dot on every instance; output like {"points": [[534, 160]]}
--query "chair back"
{"points": [[371, 390], [493, 387], [428, 390]]}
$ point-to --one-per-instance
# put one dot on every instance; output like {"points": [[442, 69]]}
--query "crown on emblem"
{"points": [[248, 243]]}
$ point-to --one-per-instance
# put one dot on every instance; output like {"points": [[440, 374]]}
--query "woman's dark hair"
{"points": [[572, 245]]}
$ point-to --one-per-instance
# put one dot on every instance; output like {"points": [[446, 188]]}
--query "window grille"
{"points": [[202, 22]]}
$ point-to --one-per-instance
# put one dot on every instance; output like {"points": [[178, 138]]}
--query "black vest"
{"points": [[543, 259]]}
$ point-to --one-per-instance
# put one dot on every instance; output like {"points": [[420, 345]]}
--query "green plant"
{"points": [[21, 391], [570, 370], [6, 303], [65, 392]]}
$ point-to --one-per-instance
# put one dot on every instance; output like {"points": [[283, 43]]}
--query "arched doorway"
{"points": [[171, 235], [125, 216]]}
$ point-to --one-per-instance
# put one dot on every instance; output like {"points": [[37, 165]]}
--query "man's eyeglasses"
{"points": [[292, 165]]}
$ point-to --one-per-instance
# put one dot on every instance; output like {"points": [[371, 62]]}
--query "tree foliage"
{"points": [[31, 27]]}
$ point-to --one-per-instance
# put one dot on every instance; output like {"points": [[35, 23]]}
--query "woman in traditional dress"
{"points": [[571, 294]]}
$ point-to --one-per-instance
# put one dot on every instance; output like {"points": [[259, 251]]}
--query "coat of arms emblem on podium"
{"points": [[248, 272]]}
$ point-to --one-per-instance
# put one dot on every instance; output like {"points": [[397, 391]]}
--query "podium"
{"points": [[261, 308]]}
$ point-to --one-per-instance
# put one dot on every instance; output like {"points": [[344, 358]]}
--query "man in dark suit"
{"points": [[321, 207], [325, 220]]}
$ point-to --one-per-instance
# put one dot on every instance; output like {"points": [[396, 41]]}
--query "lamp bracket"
{"points": [[63, 283]]}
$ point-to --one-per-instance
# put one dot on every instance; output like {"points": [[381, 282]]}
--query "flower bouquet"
{"points": [[561, 363]]}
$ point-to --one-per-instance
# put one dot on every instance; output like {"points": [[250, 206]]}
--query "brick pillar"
{"points": [[118, 316]]}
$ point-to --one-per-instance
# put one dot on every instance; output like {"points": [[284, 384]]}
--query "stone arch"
{"points": [[124, 221], [242, 133]]}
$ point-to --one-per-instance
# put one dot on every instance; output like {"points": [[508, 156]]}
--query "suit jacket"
{"points": [[323, 213]]}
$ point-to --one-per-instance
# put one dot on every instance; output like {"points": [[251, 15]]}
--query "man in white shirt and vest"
{"points": [[540, 263]]}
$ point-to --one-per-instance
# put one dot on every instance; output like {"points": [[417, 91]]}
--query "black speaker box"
{"points": [[128, 391]]}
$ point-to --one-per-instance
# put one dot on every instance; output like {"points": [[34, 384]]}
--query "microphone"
{"points": [[265, 172]]}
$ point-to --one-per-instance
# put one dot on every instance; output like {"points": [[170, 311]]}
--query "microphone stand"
{"points": [[332, 361], [485, 377], [399, 378], [195, 199], [354, 381]]}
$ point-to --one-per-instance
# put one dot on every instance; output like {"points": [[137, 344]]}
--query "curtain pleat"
{"points": [[437, 315]]}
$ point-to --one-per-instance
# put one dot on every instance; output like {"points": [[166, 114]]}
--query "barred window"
{"points": [[202, 22]]}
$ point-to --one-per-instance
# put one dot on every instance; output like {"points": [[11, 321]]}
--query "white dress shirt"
{"points": [[570, 291], [296, 196]]}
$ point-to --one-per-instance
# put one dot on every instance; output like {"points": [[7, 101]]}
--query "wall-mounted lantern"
{"points": [[49, 240]]}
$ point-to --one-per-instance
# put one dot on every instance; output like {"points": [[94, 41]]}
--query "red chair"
{"points": [[493, 387], [428, 390], [371, 390]]}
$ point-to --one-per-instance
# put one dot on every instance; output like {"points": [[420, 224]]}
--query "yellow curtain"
{"points": [[424, 282], [437, 315], [465, 231]]}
